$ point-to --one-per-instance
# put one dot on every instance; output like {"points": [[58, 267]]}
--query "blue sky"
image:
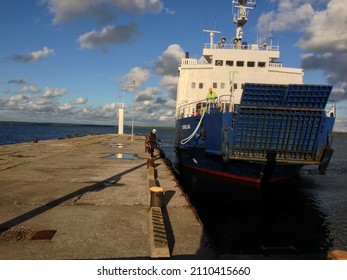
{"points": [[75, 60]]}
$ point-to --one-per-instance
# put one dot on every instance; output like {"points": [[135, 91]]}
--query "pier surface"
{"points": [[79, 199]]}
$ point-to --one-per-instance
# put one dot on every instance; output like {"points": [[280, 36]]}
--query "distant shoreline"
{"points": [[78, 124]]}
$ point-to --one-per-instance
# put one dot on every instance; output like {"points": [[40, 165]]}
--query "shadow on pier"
{"points": [[54, 203]]}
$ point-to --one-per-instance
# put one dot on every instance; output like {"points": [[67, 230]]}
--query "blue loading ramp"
{"points": [[285, 119]]}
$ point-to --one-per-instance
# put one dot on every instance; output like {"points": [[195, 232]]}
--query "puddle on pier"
{"points": [[115, 145], [122, 156]]}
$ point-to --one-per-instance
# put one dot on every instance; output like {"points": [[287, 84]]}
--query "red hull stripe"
{"points": [[234, 177]]}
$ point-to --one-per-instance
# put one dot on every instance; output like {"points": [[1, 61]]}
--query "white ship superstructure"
{"points": [[228, 63]]}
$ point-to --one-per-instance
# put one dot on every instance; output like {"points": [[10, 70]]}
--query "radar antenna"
{"points": [[212, 32], [241, 17]]}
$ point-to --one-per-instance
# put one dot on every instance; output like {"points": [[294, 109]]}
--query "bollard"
{"points": [[156, 196], [337, 255]]}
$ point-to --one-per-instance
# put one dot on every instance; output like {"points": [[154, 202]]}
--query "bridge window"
{"points": [[250, 63], [193, 84], [214, 85], [240, 63], [261, 64], [201, 85], [229, 63]]}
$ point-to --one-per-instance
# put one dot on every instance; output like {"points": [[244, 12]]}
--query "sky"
{"points": [[75, 61]]}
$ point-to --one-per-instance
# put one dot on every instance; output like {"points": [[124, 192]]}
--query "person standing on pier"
{"points": [[152, 139]]}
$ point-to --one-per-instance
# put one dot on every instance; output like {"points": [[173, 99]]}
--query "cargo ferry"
{"points": [[260, 123]]}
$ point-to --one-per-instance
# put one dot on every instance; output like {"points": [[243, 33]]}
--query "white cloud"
{"points": [[322, 26], [167, 64], [169, 80], [138, 6], [326, 41], [290, 15], [134, 79], [157, 104], [54, 92], [147, 94], [108, 35], [35, 55], [29, 88], [64, 107], [109, 109], [153, 104], [326, 32], [341, 124], [31, 107], [18, 99], [68, 10], [80, 100], [170, 83]]}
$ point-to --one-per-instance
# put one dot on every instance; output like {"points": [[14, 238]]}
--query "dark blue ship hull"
{"points": [[274, 132], [236, 170]]}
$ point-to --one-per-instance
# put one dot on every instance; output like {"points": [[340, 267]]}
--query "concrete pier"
{"points": [[88, 198]]}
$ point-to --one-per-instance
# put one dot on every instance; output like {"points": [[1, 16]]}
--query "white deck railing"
{"points": [[242, 47], [198, 107]]}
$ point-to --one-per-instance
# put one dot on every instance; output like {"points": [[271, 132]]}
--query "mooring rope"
{"points": [[186, 140]]}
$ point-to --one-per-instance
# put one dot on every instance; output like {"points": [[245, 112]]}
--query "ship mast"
{"points": [[241, 17]]}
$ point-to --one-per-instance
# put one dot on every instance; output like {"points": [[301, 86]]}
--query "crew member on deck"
{"points": [[211, 99]]}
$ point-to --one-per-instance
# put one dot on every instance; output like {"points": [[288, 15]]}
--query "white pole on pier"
{"points": [[121, 118], [132, 125]]}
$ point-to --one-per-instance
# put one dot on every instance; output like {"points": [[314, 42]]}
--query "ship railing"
{"points": [[191, 109], [243, 46], [331, 109], [226, 103], [189, 61], [275, 64], [199, 107]]}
